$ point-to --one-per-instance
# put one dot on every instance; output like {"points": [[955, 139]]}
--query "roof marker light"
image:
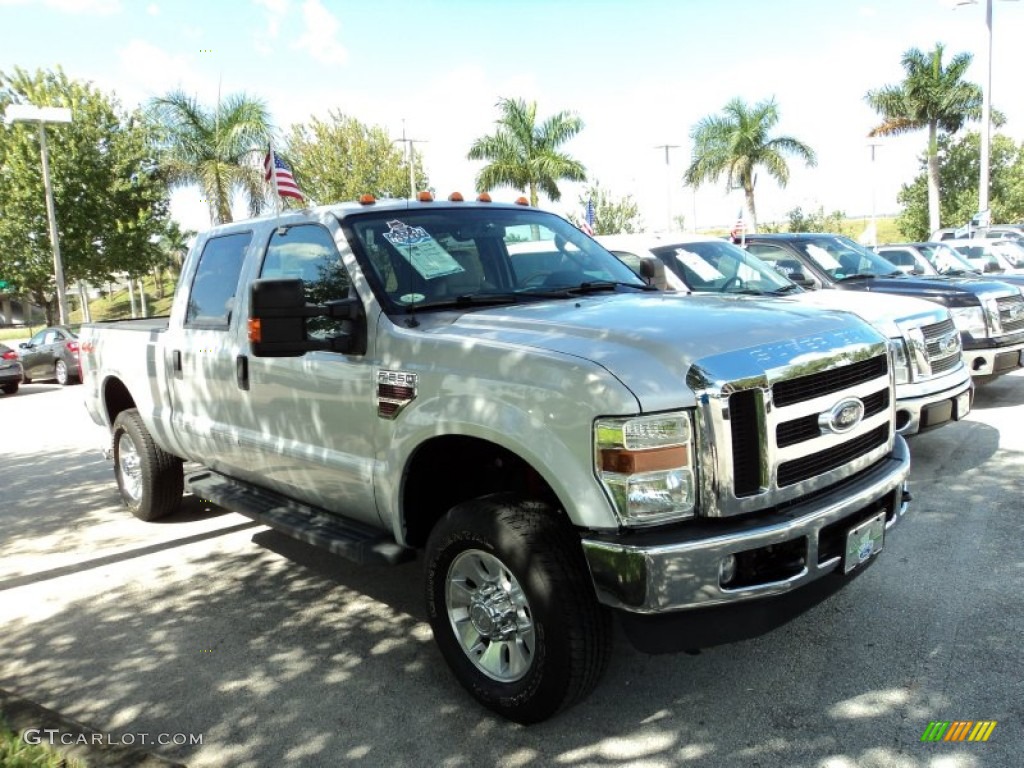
{"points": [[425, 197], [455, 197], [522, 201], [483, 197], [367, 199]]}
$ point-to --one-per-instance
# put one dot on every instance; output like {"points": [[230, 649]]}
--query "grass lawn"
{"points": [[15, 753]]}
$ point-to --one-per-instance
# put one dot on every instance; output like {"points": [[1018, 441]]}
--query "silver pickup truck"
{"points": [[379, 378]]}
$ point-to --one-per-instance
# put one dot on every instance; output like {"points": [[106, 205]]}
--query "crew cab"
{"points": [[381, 378], [933, 385], [988, 313]]}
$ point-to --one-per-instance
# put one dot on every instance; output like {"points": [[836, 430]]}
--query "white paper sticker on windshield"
{"points": [[423, 252], [823, 258], [697, 265]]}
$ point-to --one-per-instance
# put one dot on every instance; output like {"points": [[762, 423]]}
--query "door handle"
{"points": [[176, 363], [242, 371]]}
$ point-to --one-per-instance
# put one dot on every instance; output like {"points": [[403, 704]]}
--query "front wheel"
{"points": [[150, 480], [512, 608], [10, 389]]}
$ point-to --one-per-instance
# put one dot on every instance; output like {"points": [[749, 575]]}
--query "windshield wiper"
{"points": [[786, 289], [858, 276], [606, 285]]}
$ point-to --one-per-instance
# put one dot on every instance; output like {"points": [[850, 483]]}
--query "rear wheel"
{"points": [[150, 479], [10, 389], [512, 608], [60, 372]]}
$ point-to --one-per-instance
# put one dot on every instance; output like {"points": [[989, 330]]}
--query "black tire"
{"points": [[552, 621], [10, 389], [150, 480]]}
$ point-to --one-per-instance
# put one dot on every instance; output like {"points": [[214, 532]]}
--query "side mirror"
{"points": [[25, 345], [802, 280], [653, 271], [278, 315]]}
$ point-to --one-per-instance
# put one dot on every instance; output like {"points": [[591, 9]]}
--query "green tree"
{"points": [[738, 142], [816, 221], [958, 176], [221, 150], [110, 201], [524, 155], [933, 97], [341, 158], [611, 216]]}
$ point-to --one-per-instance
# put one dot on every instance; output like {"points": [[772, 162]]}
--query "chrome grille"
{"points": [[767, 426], [1011, 313], [943, 345]]}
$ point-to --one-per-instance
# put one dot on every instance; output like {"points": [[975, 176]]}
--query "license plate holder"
{"points": [[864, 541]]}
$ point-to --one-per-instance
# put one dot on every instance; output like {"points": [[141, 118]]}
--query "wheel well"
{"points": [[116, 398], [445, 471]]}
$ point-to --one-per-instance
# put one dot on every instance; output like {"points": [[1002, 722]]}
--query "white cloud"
{"points": [[320, 39], [153, 9], [92, 7], [274, 12], [148, 70]]}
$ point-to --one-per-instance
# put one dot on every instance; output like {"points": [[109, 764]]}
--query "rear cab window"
{"points": [[211, 298]]}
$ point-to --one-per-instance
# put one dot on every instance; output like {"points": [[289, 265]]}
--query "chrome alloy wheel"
{"points": [[490, 616], [60, 371], [130, 466]]}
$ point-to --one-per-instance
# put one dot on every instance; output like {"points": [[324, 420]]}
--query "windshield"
{"points": [[721, 267], [480, 255], [946, 260], [1011, 251], [980, 256], [842, 258]]}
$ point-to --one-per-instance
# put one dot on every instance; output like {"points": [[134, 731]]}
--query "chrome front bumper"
{"points": [[642, 573], [917, 413], [990, 361]]}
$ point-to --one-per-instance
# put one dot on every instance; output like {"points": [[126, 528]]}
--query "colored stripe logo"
{"points": [[958, 730]]}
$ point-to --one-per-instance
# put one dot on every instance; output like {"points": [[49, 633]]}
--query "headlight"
{"points": [[969, 320], [645, 463], [900, 360]]}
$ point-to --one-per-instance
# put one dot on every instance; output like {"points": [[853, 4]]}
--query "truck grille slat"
{"points": [[1011, 313], [824, 383], [746, 442], [806, 428], [791, 472]]}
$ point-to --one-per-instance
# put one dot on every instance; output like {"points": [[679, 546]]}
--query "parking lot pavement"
{"points": [[210, 627]]}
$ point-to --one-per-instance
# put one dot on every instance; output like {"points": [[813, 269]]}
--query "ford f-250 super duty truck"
{"points": [[378, 378]]}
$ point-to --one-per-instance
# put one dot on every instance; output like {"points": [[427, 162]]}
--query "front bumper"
{"points": [[785, 550], [990, 358], [917, 412]]}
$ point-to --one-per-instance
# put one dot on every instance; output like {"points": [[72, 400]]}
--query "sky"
{"points": [[640, 74]]}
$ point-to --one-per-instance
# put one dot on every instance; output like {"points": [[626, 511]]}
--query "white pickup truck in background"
{"points": [[564, 444]]}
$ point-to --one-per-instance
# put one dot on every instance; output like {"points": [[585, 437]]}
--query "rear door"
{"points": [[199, 356]]}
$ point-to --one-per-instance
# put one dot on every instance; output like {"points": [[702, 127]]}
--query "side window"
{"points": [[631, 260], [38, 338], [50, 337], [308, 252], [212, 297]]}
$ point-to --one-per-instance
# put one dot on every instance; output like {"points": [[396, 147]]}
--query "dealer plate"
{"points": [[864, 542], [963, 405]]}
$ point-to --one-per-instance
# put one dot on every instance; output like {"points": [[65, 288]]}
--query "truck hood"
{"points": [[650, 341], [887, 312], [951, 291]]}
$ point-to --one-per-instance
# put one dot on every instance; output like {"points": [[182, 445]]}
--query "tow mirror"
{"points": [[653, 271], [279, 315]]}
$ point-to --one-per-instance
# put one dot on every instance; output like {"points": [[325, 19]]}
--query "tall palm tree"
{"points": [[524, 155], [736, 143], [931, 96], [218, 149]]}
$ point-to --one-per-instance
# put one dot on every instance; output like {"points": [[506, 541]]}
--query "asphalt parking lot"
{"points": [[276, 654]]}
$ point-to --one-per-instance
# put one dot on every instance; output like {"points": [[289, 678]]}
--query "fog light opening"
{"points": [[727, 570], [978, 364], [902, 419]]}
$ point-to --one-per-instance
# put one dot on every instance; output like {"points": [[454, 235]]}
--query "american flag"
{"points": [[284, 182], [587, 225], [740, 227]]}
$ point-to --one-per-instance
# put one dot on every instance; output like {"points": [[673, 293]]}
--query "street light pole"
{"points": [[668, 183], [412, 159], [25, 113], [986, 120]]}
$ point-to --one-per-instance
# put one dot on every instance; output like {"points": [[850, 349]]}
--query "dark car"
{"points": [[11, 374], [989, 313], [52, 354]]}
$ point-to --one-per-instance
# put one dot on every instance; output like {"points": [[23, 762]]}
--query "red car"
{"points": [[52, 354]]}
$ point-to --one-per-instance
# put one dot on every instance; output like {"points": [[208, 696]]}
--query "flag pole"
{"points": [[272, 170]]}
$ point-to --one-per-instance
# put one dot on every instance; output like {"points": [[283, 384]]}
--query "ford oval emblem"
{"points": [[843, 416], [950, 343]]}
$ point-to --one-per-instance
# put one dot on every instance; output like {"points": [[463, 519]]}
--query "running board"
{"points": [[353, 541]]}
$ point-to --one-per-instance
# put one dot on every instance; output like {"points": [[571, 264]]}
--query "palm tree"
{"points": [[219, 149], [736, 143], [524, 155], [931, 97]]}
